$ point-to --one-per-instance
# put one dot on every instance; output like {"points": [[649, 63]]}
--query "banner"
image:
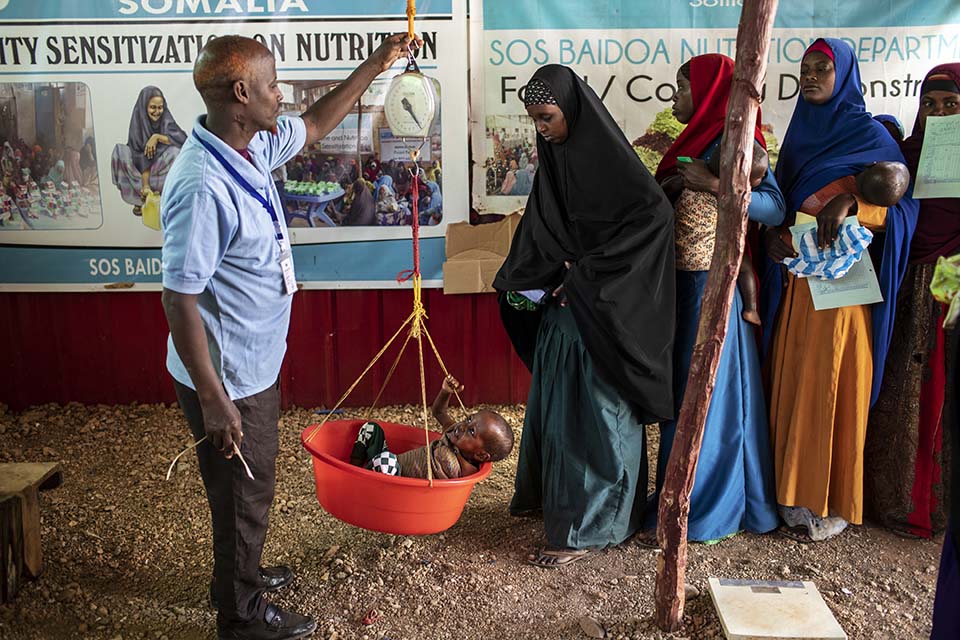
{"points": [[97, 97], [630, 50]]}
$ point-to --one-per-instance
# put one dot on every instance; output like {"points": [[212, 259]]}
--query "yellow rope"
{"points": [[417, 329], [411, 13], [357, 381], [393, 368], [423, 397], [443, 367], [419, 313]]}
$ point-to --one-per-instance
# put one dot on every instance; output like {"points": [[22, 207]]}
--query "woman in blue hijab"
{"points": [[434, 210], [383, 179], [826, 365], [524, 180], [892, 124], [55, 175]]}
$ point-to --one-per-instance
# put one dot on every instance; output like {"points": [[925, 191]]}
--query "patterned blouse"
{"points": [[695, 229], [696, 218]]}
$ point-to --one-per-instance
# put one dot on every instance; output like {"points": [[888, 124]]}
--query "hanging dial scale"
{"points": [[411, 103]]}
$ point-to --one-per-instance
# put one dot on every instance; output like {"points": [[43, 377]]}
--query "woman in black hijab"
{"points": [[597, 238], [153, 142]]}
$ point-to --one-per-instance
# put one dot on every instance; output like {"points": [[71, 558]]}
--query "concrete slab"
{"points": [[762, 609]]}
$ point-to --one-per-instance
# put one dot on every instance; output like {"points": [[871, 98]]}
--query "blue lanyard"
{"points": [[246, 187]]}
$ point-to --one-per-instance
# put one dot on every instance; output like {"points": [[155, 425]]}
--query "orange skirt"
{"points": [[821, 373]]}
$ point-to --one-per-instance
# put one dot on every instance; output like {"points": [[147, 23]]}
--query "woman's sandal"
{"points": [[548, 558], [906, 535], [714, 541], [798, 533], [647, 539]]}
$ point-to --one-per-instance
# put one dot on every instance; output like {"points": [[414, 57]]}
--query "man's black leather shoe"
{"points": [[276, 624], [271, 579]]}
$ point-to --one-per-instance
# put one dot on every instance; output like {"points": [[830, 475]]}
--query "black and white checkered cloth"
{"points": [[385, 463], [366, 432]]}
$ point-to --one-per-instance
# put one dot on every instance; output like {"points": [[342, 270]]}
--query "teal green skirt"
{"points": [[583, 456]]}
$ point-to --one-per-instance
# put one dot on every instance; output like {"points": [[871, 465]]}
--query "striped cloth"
{"points": [[834, 262], [446, 464]]}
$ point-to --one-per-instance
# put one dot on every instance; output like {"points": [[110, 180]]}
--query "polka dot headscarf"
{"points": [[537, 92]]}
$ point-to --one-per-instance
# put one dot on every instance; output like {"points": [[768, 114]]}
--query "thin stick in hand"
{"points": [[236, 450]]}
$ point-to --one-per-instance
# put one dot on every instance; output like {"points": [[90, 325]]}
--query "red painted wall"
{"points": [[110, 348]]}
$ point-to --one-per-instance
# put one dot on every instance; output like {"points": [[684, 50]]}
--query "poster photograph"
{"points": [[48, 158], [360, 174], [629, 52], [97, 99]]}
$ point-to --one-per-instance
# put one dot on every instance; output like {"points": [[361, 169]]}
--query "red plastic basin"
{"points": [[374, 501]]}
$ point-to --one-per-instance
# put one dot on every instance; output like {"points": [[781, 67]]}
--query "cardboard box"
{"points": [[475, 254]]}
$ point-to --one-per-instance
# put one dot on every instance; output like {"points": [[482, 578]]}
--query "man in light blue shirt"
{"points": [[227, 287]]}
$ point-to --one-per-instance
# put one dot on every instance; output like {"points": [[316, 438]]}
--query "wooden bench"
{"points": [[20, 484]]}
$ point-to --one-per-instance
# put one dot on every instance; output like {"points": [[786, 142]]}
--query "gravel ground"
{"points": [[128, 554]]}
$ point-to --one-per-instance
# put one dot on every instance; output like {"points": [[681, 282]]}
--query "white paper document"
{"points": [[938, 175]]}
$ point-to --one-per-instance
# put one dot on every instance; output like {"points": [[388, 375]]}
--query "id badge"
{"points": [[286, 268]]}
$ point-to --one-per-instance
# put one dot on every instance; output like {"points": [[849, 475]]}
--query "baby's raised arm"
{"points": [[442, 402]]}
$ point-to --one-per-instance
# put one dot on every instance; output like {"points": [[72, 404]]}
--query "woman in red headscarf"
{"points": [[906, 453], [734, 489], [372, 170]]}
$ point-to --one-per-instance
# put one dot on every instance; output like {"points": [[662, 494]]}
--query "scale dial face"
{"points": [[410, 105]]}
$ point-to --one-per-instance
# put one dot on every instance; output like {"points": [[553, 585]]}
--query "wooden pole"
{"points": [[753, 44]]}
